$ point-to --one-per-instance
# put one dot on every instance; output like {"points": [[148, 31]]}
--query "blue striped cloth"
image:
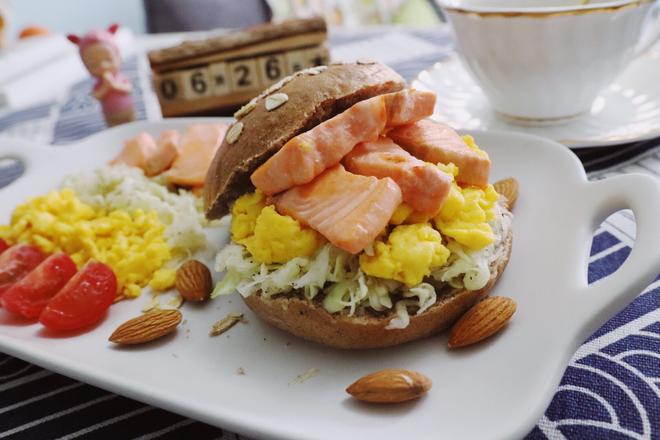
{"points": [[611, 387]]}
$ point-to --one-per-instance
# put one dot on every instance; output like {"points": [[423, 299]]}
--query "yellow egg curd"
{"points": [[465, 214], [132, 244], [410, 253], [269, 236]]}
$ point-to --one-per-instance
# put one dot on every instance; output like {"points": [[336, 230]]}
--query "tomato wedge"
{"points": [[83, 301], [29, 296], [3, 245], [16, 262]]}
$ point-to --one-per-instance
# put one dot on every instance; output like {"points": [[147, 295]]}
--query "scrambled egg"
{"points": [[401, 214], [163, 279], [410, 254], [404, 214], [244, 215], [269, 236], [469, 140], [132, 244], [465, 214]]}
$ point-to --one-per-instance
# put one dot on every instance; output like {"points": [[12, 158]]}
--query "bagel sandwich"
{"points": [[356, 222]]}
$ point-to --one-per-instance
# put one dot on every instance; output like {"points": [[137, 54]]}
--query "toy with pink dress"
{"points": [[101, 57]]}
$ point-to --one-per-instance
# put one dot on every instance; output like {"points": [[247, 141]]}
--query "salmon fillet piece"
{"points": [[307, 155], [423, 186], [197, 148], [408, 106], [167, 150], [206, 133], [438, 143], [136, 151], [348, 210]]}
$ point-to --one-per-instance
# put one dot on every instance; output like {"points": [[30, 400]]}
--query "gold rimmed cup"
{"points": [[542, 62]]}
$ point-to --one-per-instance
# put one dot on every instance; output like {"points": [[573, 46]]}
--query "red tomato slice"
{"points": [[3, 245], [16, 262], [83, 300], [29, 296]]}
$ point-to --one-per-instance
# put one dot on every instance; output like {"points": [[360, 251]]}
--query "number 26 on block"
{"points": [[244, 75]]}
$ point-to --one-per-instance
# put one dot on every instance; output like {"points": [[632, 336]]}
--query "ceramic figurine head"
{"points": [[98, 50]]}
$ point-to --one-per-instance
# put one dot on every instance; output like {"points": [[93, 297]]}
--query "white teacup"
{"points": [[544, 61]]}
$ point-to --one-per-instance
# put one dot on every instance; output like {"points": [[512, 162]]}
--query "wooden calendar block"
{"points": [[196, 83], [295, 61], [317, 56], [244, 75], [168, 87], [219, 76], [272, 68], [220, 73]]}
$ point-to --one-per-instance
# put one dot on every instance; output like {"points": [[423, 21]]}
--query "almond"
{"points": [[390, 386], [275, 100], [509, 189], [147, 327], [194, 281], [484, 319], [234, 132]]}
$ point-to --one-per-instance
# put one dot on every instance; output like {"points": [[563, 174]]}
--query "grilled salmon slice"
{"points": [[408, 106], [438, 143], [166, 152], [347, 209], [136, 151], [423, 186], [197, 148], [153, 157], [307, 155]]}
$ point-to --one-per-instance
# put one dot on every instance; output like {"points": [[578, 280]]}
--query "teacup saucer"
{"points": [[626, 111]]}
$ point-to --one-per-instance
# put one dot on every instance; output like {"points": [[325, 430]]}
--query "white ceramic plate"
{"points": [[498, 389], [626, 111]]}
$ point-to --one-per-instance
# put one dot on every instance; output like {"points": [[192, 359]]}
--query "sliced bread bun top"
{"points": [[313, 96]]}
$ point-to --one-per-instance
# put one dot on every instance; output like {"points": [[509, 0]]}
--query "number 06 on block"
{"points": [[222, 73]]}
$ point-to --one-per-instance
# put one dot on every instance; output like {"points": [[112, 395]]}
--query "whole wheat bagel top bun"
{"points": [[313, 96]]}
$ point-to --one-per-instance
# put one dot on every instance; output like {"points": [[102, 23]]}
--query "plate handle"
{"points": [[641, 194], [33, 156]]}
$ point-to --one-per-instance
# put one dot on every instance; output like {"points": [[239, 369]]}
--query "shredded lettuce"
{"points": [[426, 297], [379, 294], [402, 318], [339, 296], [318, 271], [425, 294]]}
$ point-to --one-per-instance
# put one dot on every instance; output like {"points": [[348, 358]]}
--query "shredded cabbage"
{"points": [[127, 188], [426, 297], [402, 318], [318, 271]]}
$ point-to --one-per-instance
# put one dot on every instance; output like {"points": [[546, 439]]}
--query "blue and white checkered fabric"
{"points": [[611, 388]]}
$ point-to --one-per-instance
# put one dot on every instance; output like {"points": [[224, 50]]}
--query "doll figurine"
{"points": [[100, 55]]}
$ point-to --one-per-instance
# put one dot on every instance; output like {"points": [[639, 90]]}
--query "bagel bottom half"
{"points": [[309, 320]]}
